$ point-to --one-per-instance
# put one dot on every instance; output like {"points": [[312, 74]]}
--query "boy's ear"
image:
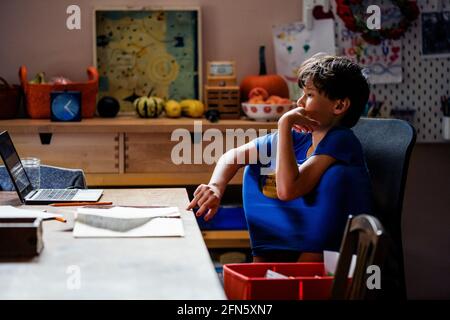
{"points": [[341, 106]]}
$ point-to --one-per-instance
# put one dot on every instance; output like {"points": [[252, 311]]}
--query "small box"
{"points": [[20, 237], [226, 100], [305, 281]]}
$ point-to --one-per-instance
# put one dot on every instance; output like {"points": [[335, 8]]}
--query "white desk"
{"points": [[116, 268]]}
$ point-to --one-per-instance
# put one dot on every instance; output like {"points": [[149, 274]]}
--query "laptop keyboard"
{"points": [[56, 194]]}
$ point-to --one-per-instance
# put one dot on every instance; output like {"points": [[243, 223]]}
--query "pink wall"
{"points": [[34, 33]]}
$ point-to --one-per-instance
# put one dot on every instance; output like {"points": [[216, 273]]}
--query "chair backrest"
{"points": [[387, 145], [364, 236], [51, 178]]}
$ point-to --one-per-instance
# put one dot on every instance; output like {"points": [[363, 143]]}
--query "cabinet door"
{"points": [[92, 152]]}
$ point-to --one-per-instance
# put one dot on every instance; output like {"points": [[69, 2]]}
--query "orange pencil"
{"points": [[60, 219], [71, 204]]}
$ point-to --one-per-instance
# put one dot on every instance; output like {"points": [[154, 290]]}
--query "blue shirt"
{"points": [[314, 222]]}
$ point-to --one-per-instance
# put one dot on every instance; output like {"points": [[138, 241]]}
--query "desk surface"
{"points": [[115, 268]]}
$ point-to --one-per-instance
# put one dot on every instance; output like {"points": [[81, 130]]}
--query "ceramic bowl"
{"points": [[266, 112]]}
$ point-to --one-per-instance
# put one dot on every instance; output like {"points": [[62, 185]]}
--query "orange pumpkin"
{"points": [[273, 83]]}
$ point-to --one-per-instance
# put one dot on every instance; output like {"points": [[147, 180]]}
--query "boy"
{"points": [[310, 139]]}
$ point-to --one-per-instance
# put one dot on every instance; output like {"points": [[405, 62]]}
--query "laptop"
{"points": [[23, 185]]}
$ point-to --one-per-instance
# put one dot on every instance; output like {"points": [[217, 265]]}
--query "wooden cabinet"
{"points": [[94, 154], [129, 151], [153, 153]]}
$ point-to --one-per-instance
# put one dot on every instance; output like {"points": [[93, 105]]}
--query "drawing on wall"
{"points": [[294, 44], [147, 52], [435, 27], [383, 62]]}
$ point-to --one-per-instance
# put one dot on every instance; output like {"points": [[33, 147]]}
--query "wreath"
{"points": [[408, 9]]}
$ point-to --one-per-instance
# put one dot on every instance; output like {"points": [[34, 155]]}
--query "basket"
{"points": [[247, 281], [9, 99], [38, 95]]}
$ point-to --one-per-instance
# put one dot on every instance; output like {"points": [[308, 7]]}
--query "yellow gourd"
{"points": [[192, 108]]}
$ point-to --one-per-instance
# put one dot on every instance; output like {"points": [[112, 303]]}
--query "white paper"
{"points": [[294, 44], [12, 212], [383, 62], [275, 275], [330, 260], [136, 222]]}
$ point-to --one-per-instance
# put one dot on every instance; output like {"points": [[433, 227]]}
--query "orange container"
{"points": [[247, 281], [38, 95]]}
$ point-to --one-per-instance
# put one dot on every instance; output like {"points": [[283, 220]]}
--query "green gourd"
{"points": [[149, 107]]}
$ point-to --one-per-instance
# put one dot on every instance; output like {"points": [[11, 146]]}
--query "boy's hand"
{"points": [[207, 197], [299, 120]]}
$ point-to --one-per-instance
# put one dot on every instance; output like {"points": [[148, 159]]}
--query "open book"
{"points": [[128, 222]]}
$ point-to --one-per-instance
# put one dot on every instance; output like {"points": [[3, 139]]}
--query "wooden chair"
{"points": [[364, 236]]}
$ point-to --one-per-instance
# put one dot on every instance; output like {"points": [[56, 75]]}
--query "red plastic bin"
{"points": [[38, 95], [247, 281]]}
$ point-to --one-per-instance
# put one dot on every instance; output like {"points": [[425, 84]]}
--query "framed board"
{"points": [[142, 51], [435, 34]]}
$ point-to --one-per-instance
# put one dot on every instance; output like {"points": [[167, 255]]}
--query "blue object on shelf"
{"points": [[226, 218]]}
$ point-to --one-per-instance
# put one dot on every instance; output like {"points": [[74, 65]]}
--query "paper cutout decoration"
{"points": [[383, 62], [294, 44]]}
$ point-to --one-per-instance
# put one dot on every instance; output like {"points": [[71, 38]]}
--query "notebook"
{"points": [[22, 183]]}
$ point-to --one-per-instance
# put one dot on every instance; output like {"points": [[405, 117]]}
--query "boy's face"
{"points": [[317, 105]]}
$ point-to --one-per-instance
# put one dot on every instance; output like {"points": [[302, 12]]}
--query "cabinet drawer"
{"points": [[151, 153], [92, 152]]}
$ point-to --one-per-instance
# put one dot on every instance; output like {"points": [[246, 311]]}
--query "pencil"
{"points": [[71, 204], [60, 219]]}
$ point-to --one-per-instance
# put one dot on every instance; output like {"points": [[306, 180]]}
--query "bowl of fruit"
{"points": [[261, 106]]}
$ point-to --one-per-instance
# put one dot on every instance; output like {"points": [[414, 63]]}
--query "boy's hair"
{"points": [[337, 78]]}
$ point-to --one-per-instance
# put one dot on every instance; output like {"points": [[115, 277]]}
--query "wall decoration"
{"points": [[435, 34], [424, 81], [139, 51], [294, 44], [396, 18], [383, 63]]}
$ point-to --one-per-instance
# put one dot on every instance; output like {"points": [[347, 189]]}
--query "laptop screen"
{"points": [[14, 166]]}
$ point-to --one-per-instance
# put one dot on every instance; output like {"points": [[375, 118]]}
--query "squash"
{"points": [[192, 108], [149, 107], [173, 109], [272, 83]]}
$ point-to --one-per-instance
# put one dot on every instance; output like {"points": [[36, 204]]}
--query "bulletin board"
{"points": [[424, 80], [142, 51]]}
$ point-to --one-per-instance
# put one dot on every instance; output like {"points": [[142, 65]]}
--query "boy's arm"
{"points": [[208, 196], [293, 181]]}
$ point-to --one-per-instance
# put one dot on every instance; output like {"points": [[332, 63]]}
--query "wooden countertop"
{"points": [[128, 124]]}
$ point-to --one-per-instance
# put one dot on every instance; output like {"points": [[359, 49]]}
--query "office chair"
{"points": [[387, 145], [51, 178], [364, 236]]}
